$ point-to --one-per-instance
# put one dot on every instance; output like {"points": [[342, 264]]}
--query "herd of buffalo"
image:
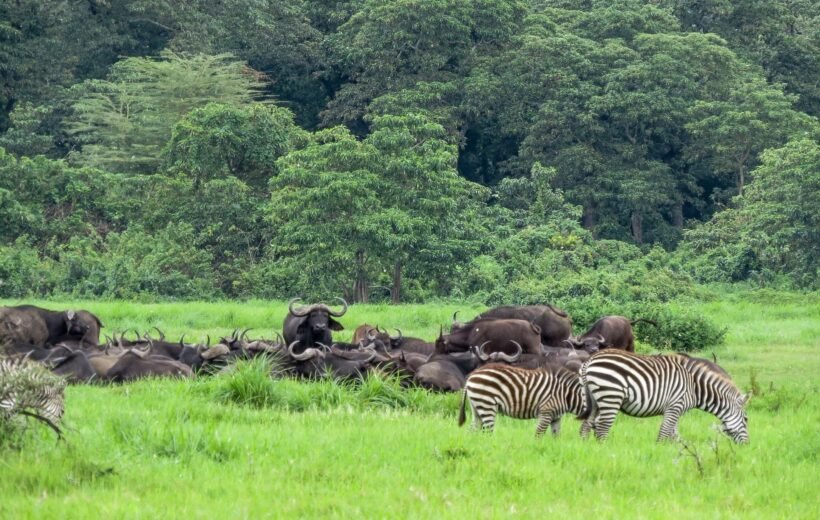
{"points": [[530, 336]]}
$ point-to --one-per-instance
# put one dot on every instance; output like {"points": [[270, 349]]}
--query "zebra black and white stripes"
{"points": [[29, 389], [523, 394], [668, 385]]}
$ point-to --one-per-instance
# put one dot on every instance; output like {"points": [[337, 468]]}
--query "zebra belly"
{"points": [[643, 407], [526, 412]]}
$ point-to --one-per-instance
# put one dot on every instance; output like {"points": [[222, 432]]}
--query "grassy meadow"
{"points": [[241, 445]]}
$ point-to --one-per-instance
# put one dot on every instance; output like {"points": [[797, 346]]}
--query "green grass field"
{"points": [[163, 449]]}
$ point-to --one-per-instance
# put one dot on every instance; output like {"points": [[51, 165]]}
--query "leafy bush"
{"points": [[677, 329], [23, 273]]}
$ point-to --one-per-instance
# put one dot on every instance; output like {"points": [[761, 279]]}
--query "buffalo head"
{"points": [[311, 324]]}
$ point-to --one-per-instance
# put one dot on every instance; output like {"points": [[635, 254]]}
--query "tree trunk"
{"points": [[677, 215], [361, 289], [395, 292], [637, 227], [741, 180], [590, 218]]}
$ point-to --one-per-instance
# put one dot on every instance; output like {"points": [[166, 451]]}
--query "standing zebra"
{"points": [[27, 388], [668, 385], [546, 393]]}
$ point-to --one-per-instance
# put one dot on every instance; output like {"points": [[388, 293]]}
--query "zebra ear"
{"points": [[745, 399]]}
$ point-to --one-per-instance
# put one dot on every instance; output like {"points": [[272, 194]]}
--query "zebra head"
{"points": [[735, 421]]}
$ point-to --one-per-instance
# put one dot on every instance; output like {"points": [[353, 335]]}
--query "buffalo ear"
{"points": [[334, 325]]}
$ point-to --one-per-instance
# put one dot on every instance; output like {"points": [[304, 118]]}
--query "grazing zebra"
{"points": [[27, 388], [522, 393], [668, 385]]}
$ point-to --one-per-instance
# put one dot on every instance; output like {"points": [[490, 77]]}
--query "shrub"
{"points": [[678, 330]]}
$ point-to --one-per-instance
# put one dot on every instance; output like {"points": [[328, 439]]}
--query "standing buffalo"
{"points": [[609, 332], [555, 324], [311, 324]]}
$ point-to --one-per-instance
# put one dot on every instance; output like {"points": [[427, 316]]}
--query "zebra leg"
{"points": [[556, 425], [477, 422], [669, 426], [606, 416], [485, 417], [586, 426], [544, 420]]}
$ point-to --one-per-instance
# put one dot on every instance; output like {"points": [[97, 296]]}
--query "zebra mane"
{"points": [[704, 365]]}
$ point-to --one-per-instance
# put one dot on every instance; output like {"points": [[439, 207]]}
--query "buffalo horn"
{"points": [[161, 334], [372, 356], [215, 352], [512, 358], [397, 338], [601, 339], [309, 353], [182, 341], [481, 354], [341, 313], [303, 311]]}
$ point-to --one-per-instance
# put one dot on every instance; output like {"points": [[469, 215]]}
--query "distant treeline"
{"points": [[506, 151]]}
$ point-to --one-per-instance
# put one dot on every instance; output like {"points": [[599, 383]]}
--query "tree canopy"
{"points": [[498, 149]]}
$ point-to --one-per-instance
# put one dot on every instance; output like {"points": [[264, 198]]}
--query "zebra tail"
{"points": [[461, 415], [588, 405]]}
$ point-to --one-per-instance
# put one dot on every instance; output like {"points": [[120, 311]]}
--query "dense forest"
{"points": [[497, 150]]}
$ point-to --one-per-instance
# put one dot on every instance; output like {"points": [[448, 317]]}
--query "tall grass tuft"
{"points": [[249, 383]]}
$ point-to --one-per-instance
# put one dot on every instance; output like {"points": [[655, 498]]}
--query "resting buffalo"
{"points": [[609, 332], [316, 362], [42, 326], [135, 365], [498, 335], [555, 324], [311, 324], [381, 340]]}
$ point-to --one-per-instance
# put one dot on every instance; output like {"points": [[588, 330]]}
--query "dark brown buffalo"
{"points": [[133, 365], [74, 366], [310, 325], [320, 361], [382, 341], [29, 320], [555, 324], [609, 332], [445, 370], [498, 335], [22, 327]]}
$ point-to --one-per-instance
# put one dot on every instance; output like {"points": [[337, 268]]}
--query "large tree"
{"points": [[125, 121], [349, 209]]}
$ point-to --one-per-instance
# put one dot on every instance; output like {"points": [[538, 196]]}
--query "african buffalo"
{"points": [[22, 327], [133, 365], [555, 324], [29, 321], [609, 332], [496, 334], [311, 324]]}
